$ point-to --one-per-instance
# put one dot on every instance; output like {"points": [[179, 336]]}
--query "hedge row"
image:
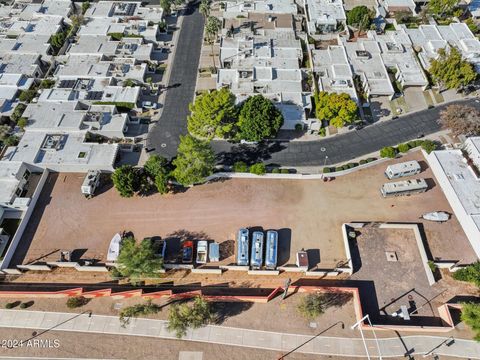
{"points": [[391, 151], [258, 169], [327, 170]]}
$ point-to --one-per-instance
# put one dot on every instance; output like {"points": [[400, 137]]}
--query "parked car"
{"points": [[187, 252], [202, 250], [149, 105], [159, 246]]}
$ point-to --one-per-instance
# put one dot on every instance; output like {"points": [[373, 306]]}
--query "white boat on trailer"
{"points": [[438, 216], [114, 248]]}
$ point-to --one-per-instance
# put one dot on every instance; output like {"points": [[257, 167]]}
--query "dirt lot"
{"points": [[307, 213]]}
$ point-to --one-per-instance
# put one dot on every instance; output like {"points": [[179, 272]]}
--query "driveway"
{"points": [[164, 136]]}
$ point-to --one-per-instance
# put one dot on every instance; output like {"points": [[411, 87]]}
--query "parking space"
{"points": [[308, 214]]}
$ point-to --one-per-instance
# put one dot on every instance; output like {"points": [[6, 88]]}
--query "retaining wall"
{"points": [[23, 223]]}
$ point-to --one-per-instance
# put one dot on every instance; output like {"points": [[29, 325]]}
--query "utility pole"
{"points": [[359, 325]]}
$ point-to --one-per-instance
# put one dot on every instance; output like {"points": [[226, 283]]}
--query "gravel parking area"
{"points": [[308, 214]]}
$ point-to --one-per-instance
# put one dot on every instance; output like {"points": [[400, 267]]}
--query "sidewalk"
{"points": [[323, 345]]}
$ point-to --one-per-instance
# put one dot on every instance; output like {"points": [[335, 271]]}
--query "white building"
{"points": [[123, 10], [61, 137], [133, 26], [365, 57], [128, 47], [398, 54], [430, 38], [97, 66], [238, 8], [459, 177], [333, 71], [266, 64], [324, 16]]}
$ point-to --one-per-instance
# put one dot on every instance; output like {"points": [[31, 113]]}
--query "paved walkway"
{"points": [[322, 345]]}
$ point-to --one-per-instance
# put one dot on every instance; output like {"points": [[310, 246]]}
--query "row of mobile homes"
{"points": [[257, 259]]}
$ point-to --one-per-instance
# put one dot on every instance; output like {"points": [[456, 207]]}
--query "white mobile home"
{"points": [[399, 170]]}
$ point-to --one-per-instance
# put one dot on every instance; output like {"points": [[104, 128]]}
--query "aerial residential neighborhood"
{"points": [[240, 179]]}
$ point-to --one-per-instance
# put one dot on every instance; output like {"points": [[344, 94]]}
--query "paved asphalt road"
{"points": [[164, 136], [347, 347], [339, 148]]}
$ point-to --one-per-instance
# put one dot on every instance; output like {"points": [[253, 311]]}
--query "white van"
{"points": [[90, 183], [399, 170]]}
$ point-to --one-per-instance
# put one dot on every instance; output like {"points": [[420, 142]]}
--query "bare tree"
{"points": [[461, 119]]}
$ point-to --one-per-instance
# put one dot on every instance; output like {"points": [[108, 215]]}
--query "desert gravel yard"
{"points": [[308, 214]]}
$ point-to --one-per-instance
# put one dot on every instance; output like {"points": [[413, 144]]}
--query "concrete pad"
{"points": [[190, 355], [201, 334]]}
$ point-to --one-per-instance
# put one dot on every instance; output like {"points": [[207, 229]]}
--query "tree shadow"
{"points": [[249, 154], [225, 310], [227, 249], [336, 299], [284, 245], [174, 241]]}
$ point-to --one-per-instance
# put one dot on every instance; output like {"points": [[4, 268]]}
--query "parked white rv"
{"points": [[399, 170], [91, 182], [406, 187]]}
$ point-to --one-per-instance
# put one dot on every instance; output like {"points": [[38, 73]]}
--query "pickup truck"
{"points": [[202, 249]]}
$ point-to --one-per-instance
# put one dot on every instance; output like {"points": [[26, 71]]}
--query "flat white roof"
{"points": [[462, 179]]}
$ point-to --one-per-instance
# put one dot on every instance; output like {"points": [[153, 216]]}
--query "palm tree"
{"points": [[212, 28], [204, 8]]}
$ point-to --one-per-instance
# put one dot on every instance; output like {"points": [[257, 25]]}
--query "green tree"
{"points": [[194, 162], [337, 109], [440, 7], [429, 146], [212, 27], [76, 301], [258, 169], [27, 95], [213, 114], [124, 180], [311, 306], [137, 261], [22, 123], [5, 131], [451, 71], [47, 83], [182, 317], [469, 273], [156, 168], [240, 166], [359, 16], [388, 152], [85, 7], [204, 8], [18, 112], [259, 119], [136, 310], [403, 148], [471, 316], [166, 5]]}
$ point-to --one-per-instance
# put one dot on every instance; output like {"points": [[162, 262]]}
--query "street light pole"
{"points": [[358, 324]]}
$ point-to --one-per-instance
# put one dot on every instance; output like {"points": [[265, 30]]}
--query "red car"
{"points": [[187, 252]]}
